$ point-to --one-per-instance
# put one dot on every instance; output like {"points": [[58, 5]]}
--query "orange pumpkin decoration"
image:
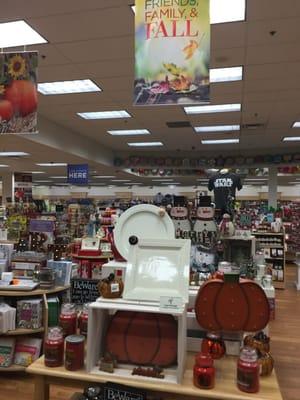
{"points": [[232, 305], [142, 338]]}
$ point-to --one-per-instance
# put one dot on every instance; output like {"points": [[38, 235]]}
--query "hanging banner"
{"points": [[172, 52], [23, 187], [18, 92], [78, 174]]}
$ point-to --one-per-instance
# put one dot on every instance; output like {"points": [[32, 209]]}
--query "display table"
{"points": [[225, 382]]}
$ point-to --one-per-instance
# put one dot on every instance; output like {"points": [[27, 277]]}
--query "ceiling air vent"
{"points": [[179, 124], [252, 127]]}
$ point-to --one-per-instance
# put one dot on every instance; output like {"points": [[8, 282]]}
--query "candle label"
{"points": [[246, 379]]}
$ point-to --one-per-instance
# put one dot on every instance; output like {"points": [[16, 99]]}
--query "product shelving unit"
{"points": [[278, 263], [24, 332]]}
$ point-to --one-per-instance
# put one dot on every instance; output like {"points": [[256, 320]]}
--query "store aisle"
{"points": [[285, 347]]}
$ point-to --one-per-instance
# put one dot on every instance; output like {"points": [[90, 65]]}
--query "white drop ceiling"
{"points": [[95, 40]]}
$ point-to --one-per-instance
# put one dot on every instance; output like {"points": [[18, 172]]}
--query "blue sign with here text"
{"points": [[78, 174]]}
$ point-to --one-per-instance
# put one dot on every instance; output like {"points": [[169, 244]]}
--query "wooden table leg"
{"points": [[41, 388]]}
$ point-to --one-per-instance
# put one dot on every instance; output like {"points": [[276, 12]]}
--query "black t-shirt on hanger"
{"points": [[224, 185]]}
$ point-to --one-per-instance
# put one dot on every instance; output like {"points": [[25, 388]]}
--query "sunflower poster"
{"points": [[172, 52], [18, 92]]}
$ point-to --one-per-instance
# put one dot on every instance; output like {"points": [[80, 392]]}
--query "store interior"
{"points": [[149, 241]]}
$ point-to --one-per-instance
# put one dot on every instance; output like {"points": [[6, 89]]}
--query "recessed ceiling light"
{"points": [[217, 128], [226, 74], [291, 139], [221, 141], [105, 114], [64, 87], [296, 124], [145, 144], [103, 176], [129, 132], [13, 154], [58, 177], [18, 33], [219, 12], [227, 11], [120, 180], [209, 109], [52, 164]]}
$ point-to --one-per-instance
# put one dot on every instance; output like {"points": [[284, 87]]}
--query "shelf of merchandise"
{"points": [[101, 257], [225, 388], [276, 283], [20, 331], [13, 368]]}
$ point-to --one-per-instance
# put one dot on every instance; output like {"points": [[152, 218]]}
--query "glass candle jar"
{"points": [[68, 319], [54, 348], [83, 320], [74, 359], [204, 371], [214, 345], [248, 371]]}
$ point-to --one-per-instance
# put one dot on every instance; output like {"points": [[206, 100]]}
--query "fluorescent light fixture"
{"points": [[296, 124], [3, 166], [105, 114], [227, 11], [219, 12], [221, 141], [294, 183], [18, 33], [13, 154], [103, 176], [129, 132], [255, 179], [43, 181], [291, 139], [217, 128], [64, 87], [120, 180], [210, 109], [162, 180], [145, 144], [230, 74], [52, 164], [58, 177], [35, 172]]}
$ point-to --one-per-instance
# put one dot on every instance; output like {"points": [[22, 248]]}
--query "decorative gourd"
{"points": [[214, 345], [266, 363], [232, 305], [261, 343], [142, 338]]}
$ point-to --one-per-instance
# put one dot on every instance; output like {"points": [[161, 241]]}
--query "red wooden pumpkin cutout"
{"points": [[232, 306]]}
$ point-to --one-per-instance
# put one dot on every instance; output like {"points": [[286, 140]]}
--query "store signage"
{"points": [[18, 92], [172, 52], [22, 185], [171, 303], [41, 226], [84, 290], [78, 174], [114, 391]]}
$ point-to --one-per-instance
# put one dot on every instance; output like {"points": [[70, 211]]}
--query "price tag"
{"points": [[171, 303], [115, 287]]}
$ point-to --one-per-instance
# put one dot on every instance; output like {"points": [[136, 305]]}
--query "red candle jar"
{"points": [[248, 371], [74, 359], [54, 348], [68, 319], [214, 345], [204, 371], [83, 320]]}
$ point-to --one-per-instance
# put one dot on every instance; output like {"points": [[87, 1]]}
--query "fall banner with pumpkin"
{"points": [[18, 92], [172, 52]]}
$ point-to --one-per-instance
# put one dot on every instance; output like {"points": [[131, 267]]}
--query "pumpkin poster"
{"points": [[172, 52], [18, 92]]}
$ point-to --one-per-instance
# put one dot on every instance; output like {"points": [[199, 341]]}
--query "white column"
{"points": [[273, 181], [8, 187]]}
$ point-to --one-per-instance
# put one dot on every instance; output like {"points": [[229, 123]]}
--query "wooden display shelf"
{"points": [[269, 233], [21, 331], [13, 368], [35, 292], [101, 257], [278, 285], [279, 246], [225, 388], [274, 258]]}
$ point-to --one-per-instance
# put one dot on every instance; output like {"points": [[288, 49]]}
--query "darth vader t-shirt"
{"points": [[224, 185]]}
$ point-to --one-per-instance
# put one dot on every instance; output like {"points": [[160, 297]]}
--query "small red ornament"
{"points": [[214, 345]]}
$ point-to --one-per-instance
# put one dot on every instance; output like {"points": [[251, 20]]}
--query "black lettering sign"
{"points": [[84, 290]]}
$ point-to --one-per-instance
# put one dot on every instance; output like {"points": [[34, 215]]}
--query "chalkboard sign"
{"points": [[114, 391], [84, 290]]}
